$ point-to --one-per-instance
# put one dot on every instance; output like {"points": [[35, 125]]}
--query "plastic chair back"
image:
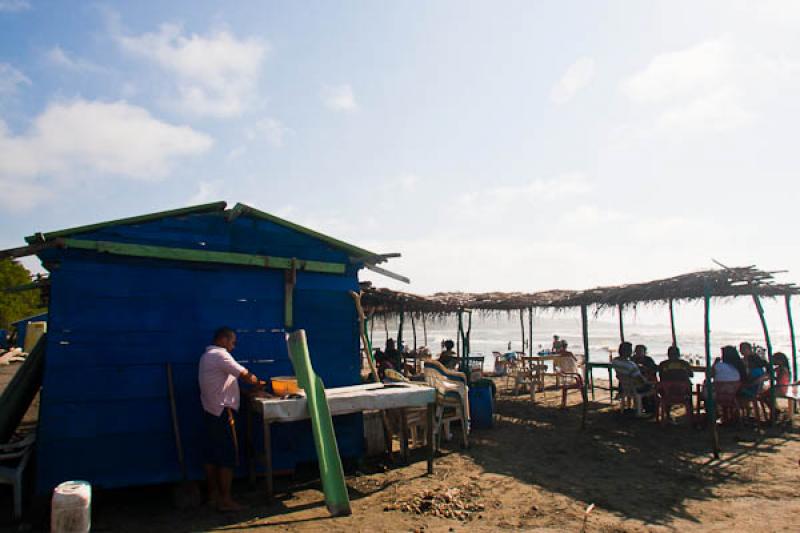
{"points": [[674, 392]]}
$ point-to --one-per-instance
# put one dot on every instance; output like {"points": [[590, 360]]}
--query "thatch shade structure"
{"points": [[718, 283], [724, 282]]}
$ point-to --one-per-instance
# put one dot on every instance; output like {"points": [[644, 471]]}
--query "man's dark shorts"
{"points": [[220, 449]]}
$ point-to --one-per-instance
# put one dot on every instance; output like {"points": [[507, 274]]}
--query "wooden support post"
{"points": [[386, 327], [770, 367], [459, 334], [371, 321], [400, 342], [522, 327], [530, 330], [672, 323], [788, 299], [710, 407], [621, 326], [290, 279], [429, 430], [586, 369], [414, 331], [424, 329], [468, 335]]}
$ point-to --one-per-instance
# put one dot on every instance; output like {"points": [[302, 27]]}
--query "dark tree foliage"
{"points": [[16, 305]]}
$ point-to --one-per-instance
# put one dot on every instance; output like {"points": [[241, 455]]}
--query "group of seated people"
{"points": [[637, 366], [749, 370], [391, 357]]}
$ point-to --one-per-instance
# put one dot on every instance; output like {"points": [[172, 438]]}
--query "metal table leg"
{"points": [[251, 463], [268, 458]]}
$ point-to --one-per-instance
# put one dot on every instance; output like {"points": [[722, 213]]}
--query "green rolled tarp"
{"points": [[331, 472], [21, 390]]}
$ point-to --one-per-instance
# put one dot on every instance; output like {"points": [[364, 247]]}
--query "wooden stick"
{"points": [[414, 331], [366, 344], [530, 329], [371, 328], [771, 368], [710, 408], [586, 369], [367, 347], [672, 323], [424, 329], [621, 326], [522, 327], [788, 299]]}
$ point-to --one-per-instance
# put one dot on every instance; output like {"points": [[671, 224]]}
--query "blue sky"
{"points": [[497, 145]]}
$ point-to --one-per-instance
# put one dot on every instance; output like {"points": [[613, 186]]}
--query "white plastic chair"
{"points": [[14, 458], [452, 400], [629, 394], [415, 417]]}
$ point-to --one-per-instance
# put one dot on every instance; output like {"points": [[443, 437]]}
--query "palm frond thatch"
{"points": [[718, 283]]}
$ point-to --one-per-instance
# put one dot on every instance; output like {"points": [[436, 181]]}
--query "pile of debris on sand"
{"points": [[459, 503]]}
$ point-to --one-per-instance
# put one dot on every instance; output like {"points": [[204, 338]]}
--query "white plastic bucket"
{"points": [[71, 509]]}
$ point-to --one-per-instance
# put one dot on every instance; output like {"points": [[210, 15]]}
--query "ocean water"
{"points": [[495, 332]]}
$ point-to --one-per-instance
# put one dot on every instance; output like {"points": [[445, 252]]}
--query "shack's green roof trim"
{"points": [[202, 208], [205, 256], [358, 253], [238, 210]]}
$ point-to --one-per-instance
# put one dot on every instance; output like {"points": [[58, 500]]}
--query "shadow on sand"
{"points": [[637, 468]]}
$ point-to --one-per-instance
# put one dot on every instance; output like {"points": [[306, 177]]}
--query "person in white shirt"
{"points": [[624, 366], [218, 376]]}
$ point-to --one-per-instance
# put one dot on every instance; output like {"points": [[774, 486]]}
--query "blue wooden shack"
{"points": [[129, 296]]}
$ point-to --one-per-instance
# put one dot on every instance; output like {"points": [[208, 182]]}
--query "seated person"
{"points": [[783, 375], [675, 368], [782, 379], [448, 357], [645, 363], [556, 344], [730, 368], [756, 369], [567, 363], [382, 363], [625, 367], [392, 355]]}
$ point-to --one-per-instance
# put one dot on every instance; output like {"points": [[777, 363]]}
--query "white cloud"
{"points": [[577, 76], [11, 79], [538, 191], [408, 182], [12, 6], [339, 97], [713, 86], [59, 57], [269, 129], [720, 110], [207, 191], [216, 74], [20, 196], [236, 152], [683, 73], [86, 139]]}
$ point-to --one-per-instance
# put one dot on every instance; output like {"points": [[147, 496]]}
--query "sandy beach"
{"points": [[536, 470]]}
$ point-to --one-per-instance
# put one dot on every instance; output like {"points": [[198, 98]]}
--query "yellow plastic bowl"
{"points": [[283, 385]]}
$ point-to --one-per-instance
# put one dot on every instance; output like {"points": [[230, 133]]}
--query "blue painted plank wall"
{"points": [[115, 322]]}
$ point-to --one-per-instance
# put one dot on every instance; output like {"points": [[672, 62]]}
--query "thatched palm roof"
{"points": [[719, 283]]}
